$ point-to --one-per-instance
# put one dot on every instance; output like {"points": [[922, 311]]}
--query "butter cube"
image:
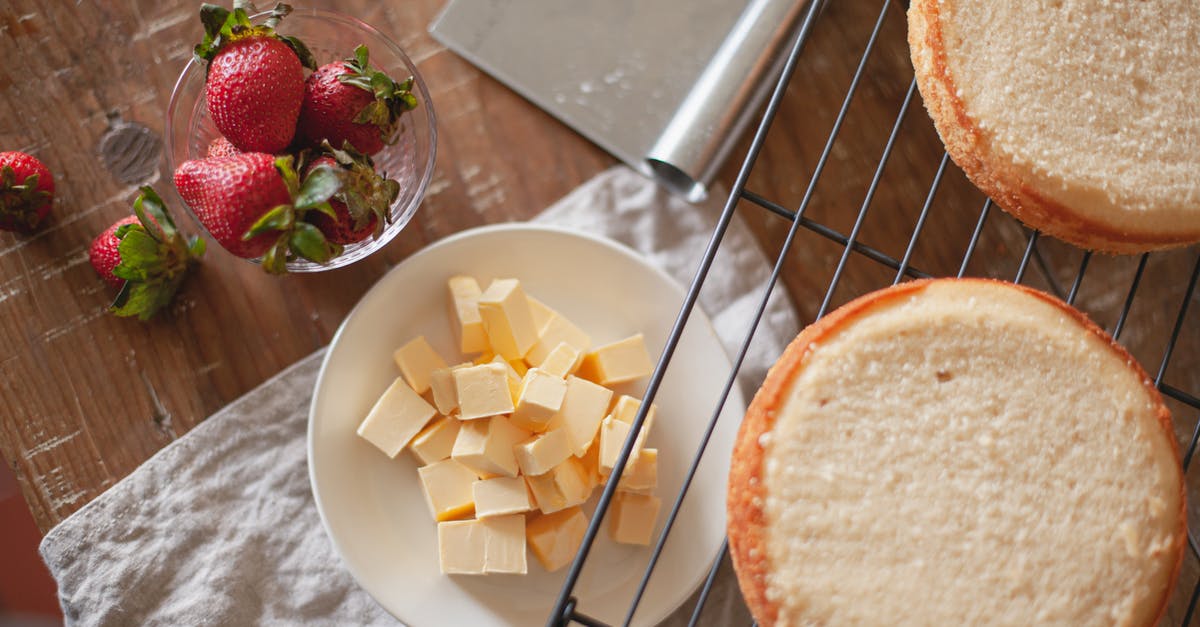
{"points": [[558, 330], [486, 446], [507, 319], [626, 409], [462, 547], [541, 453], [397, 416], [618, 362], [501, 496], [541, 312], [612, 437], [504, 550], [417, 360], [566, 485], [583, 407], [555, 538], [591, 463], [435, 442], [447, 486], [445, 393], [482, 391], [573, 481], [539, 398], [641, 476], [561, 361], [514, 379], [465, 321], [631, 517], [485, 357]]}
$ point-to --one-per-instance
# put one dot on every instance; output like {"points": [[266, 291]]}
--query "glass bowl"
{"points": [[330, 36]]}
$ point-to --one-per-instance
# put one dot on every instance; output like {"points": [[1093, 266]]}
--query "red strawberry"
{"points": [[220, 147], [103, 252], [364, 199], [26, 191], [349, 101], [253, 205], [145, 256], [255, 80]]}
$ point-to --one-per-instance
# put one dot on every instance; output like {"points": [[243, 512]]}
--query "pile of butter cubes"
{"points": [[512, 442]]}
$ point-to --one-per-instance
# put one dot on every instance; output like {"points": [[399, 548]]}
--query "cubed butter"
{"points": [[583, 407], [462, 547], [465, 321], [626, 409], [514, 379], [482, 391], [507, 319], [435, 442], [541, 453], [417, 360], [555, 538], [573, 481], [541, 312], [486, 446], [612, 437], [398, 416], [619, 362], [558, 330], [540, 397], [447, 486], [504, 550], [445, 392], [566, 485], [631, 517], [642, 475], [591, 463], [561, 361], [501, 496], [479, 547]]}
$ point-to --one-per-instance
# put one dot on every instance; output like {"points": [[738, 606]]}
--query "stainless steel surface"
{"points": [[663, 85]]}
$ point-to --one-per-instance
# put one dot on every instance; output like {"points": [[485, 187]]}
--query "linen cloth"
{"points": [[220, 527]]}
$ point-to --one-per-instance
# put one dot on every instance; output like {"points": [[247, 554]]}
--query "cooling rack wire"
{"points": [[1184, 404]]}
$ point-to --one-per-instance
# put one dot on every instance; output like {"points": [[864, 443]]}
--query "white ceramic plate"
{"points": [[372, 506]]}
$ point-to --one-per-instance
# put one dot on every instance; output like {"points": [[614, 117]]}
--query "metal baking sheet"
{"points": [[664, 85]]}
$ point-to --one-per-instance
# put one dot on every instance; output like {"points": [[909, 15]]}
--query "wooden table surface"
{"points": [[86, 397]]}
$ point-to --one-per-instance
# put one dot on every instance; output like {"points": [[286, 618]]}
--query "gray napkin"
{"points": [[219, 527]]}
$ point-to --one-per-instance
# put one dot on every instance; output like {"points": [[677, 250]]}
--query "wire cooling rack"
{"points": [[566, 611]]}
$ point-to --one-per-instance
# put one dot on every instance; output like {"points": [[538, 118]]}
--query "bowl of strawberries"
{"points": [[300, 139]]}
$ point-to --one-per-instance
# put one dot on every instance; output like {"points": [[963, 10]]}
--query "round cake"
{"points": [[956, 451], [1079, 117]]}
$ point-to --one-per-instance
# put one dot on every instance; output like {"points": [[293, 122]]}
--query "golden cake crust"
{"points": [[996, 176], [746, 495]]}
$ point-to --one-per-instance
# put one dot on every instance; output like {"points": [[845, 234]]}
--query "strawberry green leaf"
{"points": [[279, 218], [319, 186], [144, 299], [309, 242], [275, 259], [361, 55], [123, 229], [280, 11], [302, 52], [326, 209], [285, 165], [142, 256], [196, 246], [152, 214]]}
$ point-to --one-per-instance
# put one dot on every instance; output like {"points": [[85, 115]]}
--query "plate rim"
{"points": [[606, 242]]}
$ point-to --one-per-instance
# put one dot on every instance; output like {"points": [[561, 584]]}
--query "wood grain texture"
{"points": [[85, 398]]}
